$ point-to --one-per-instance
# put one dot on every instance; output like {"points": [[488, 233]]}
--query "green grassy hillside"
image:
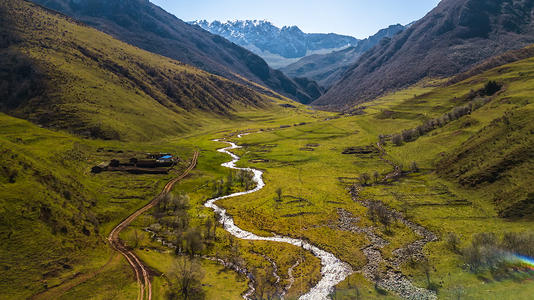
{"points": [[462, 152], [80, 83], [65, 75], [488, 150], [471, 173], [55, 214]]}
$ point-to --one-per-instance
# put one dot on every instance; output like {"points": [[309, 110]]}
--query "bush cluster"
{"points": [[487, 252], [410, 135]]}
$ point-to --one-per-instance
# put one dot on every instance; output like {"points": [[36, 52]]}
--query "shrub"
{"points": [[486, 252], [376, 176], [279, 194], [407, 135], [491, 88], [396, 139], [414, 167], [453, 241], [365, 178]]}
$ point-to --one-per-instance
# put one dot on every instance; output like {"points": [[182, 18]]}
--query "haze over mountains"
{"points": [[278, 46], [149, 27], [450, 39], [328, 69]]}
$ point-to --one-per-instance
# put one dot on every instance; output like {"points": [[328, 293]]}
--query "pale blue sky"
{"points": [[359, 18]]}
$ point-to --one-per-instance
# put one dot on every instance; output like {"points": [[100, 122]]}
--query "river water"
{"points": [[333, 270]]}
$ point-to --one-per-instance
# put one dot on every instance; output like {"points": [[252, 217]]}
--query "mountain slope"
{"points": [[327, 69], [497, 159], [278, 46], [145, 25], [69, 76], [450, 39]]}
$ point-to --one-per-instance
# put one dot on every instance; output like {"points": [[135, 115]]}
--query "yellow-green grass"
{"points": [[313, 175], [319, 176], [218, 282], [117, 283], [97, 86], [313, 182], [68, 159]]}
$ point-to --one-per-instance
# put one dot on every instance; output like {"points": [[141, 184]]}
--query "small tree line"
{"points": [[235, 179], [173, 225], [410, 135], [367, 179]]}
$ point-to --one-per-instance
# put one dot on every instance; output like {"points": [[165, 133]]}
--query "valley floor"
{"points": [[335, 181]]}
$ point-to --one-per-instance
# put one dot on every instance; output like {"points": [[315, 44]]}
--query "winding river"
{"points": [[333, 270]]}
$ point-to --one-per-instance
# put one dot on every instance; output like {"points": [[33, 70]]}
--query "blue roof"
{"points": [[166, 157]]}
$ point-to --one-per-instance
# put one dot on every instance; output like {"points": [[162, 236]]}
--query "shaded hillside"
{"points": [[328, 69], [47, 214], [450, 39], [477, 133], [499, 60], [510, 141], [278, 46], [65, 75], [145, 25]]}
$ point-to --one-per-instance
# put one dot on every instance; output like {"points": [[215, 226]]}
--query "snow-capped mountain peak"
{"points": [[278, 46]]}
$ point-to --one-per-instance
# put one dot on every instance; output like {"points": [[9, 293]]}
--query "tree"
{"points": [[414, 167], [491, 88], [279, 194], [185, 276], [427, 269], [265, 283], [371, 211], [407, 135], [405, 205], [173, 203], [229, 183], [425, 266], [397, 139], [458, 292], [384, 217], [382, 139], [453, 241], [218, 188], [208, 226], [364, 178], [245, 179], [376, 176], [420, 130], [193, 240]]}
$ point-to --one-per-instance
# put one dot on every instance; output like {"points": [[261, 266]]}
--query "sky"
{"points": [[358, 18]]}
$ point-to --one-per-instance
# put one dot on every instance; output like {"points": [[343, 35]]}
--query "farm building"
{"points": [[146, 163]]}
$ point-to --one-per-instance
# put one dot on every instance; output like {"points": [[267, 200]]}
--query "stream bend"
{"points": [[333, 270]]}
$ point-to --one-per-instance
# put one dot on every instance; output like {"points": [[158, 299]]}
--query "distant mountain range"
{"points": [[452, 38], [147, 26], [328, 69], [278, 46]]}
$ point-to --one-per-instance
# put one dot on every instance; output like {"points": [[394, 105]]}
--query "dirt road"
{"points": [[141, 272]]}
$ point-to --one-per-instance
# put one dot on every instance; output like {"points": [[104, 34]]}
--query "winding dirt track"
{"points": [[141, 272]]}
